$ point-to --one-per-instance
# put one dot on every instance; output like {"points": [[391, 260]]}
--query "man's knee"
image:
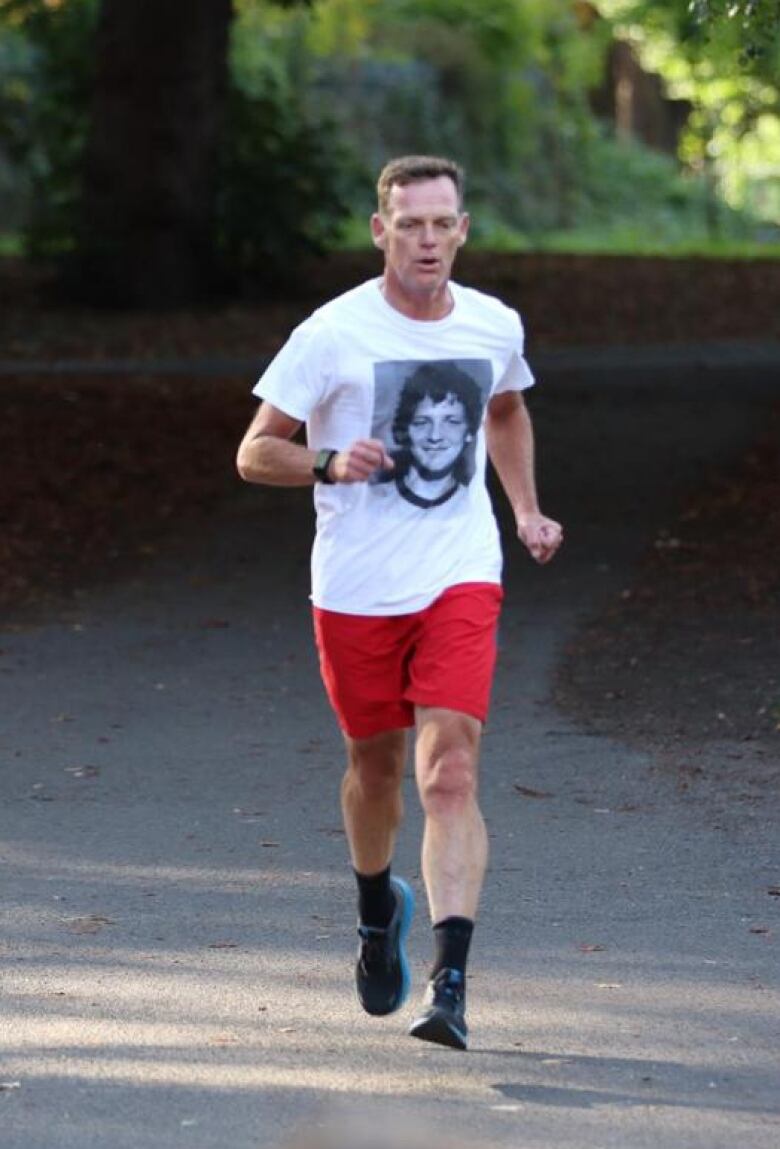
{"points": [[448, 780], [447, 756], [376, 765]]}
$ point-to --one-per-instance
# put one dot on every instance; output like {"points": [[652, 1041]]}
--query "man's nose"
{"points": [[428, 235]]}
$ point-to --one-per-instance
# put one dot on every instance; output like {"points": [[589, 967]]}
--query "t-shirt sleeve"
{"points": [[517, 375], [298, 377]]}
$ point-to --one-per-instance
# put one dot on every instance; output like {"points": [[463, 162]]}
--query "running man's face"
{"points": [[420, 235], [438, 433]]}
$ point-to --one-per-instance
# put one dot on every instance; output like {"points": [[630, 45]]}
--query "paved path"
{"points": [[179, 919]]}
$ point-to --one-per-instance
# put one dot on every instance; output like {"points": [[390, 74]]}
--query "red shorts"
{"points": [[376, 669]]}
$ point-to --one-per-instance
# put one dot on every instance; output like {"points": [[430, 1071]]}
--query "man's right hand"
{"points": [[358, 462]]}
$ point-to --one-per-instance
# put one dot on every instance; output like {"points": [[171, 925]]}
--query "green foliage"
{"points": [[757, 24], [284, 175], [501, 31], [725, 60], [287, 175], [627, 199], [629, 189], [11, 244], [505, 86], [284, 188], [741, 34], [45, 111], [16, 67]]}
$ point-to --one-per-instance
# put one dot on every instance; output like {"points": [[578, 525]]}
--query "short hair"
{"points": [[414, 169]]}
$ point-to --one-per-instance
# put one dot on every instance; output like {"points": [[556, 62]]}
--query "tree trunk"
{"points": [[150, 164]]}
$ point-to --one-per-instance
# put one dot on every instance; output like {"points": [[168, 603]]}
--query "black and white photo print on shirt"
{"points": [[428, 414]]}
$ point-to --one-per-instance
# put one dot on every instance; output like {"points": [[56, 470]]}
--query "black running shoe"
{"points": [[382, 971], [443, 1018]]}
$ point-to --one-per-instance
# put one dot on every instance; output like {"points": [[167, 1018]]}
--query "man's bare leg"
{"points": [[455, 848], [372, 805], [371, 798], [454, 859]]}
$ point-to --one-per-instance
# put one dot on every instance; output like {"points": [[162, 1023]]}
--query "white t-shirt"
{"points": [[357, 368]]}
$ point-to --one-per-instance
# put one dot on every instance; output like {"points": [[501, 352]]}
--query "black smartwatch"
{"points": [[322, 461]]}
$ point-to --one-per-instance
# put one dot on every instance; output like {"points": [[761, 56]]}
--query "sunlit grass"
{"points": [[621, 240], [629, 243]]}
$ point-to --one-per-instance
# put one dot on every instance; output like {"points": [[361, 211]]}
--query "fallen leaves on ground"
{"points": [[92, 924], [528, 792], [691, 650], [608, 299], [93, 471]]}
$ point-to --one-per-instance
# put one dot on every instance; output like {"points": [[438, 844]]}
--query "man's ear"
{"points": [[378, 231], [463, 228]]}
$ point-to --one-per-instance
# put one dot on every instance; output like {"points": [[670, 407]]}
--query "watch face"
{"points": [[321, 462]]}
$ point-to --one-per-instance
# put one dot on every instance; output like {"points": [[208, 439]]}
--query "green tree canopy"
{"points": [[723, 56], [283, 123]]}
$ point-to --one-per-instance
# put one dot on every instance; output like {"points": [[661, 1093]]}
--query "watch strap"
{"points": [[322, 462]]}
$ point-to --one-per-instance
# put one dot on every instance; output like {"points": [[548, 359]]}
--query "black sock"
{"points": [[452, 937], [376, 900]]}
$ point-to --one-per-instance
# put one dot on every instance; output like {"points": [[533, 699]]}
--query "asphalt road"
{"points": [[178, 914]]}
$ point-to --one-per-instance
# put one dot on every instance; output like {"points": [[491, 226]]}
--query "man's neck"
{"points": [[426, 307]]}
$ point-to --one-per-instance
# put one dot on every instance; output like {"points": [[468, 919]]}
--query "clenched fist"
{"points": [[358, 462]]}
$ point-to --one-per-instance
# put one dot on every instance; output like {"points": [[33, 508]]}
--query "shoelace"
{"points": [[449, 987], [375, 949]]}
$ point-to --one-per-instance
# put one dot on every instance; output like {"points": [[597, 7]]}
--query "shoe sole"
{"points": [[440, 1030]]}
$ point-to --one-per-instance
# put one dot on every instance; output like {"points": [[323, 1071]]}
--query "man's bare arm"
{"points": [[268, 455], [510, 443]]}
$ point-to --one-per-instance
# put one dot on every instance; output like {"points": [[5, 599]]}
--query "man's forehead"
{"points": [[448, 400], [438, 195]]}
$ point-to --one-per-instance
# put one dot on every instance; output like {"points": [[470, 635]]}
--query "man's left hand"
{"points": [[542, 536]]}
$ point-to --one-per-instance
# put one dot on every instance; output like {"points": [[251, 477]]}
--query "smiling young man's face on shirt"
{"points": [[438, 433], [420, 234]]}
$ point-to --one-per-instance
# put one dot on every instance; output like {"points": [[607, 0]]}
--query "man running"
{"points": [[406, 593]]}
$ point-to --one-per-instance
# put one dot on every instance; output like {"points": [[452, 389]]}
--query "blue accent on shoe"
{"points": [[404, 893], [382, 972]]}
